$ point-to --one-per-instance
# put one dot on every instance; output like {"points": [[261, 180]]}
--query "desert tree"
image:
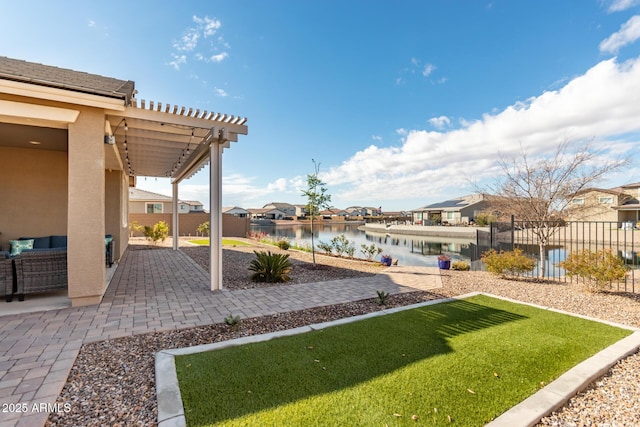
{"points": [[538, 191], [317, 198], [203, 228]]}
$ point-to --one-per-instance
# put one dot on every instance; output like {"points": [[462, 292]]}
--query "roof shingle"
{"points": [[63, 78]]}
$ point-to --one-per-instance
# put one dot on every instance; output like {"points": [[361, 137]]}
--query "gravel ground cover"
{"points": [[303, 270], [113, 382]]}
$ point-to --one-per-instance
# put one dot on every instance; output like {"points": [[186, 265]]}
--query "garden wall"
{"points": [[232, 226]]}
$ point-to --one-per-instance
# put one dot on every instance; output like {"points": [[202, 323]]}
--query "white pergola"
{"points": [[157, 140]]}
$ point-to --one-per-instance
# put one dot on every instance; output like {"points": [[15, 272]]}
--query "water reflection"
{"points": [[408, 250]]}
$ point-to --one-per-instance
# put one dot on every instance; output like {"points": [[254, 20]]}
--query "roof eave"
{"points": [[36, 91]]}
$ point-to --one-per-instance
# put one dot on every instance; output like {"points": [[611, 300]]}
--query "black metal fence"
{"points": [[623, 239]]}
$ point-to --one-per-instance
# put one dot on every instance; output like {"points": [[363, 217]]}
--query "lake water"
{"points": [[408, 250]]}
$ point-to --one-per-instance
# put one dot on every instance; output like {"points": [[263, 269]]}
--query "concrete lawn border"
{"points": [[526, 413]]}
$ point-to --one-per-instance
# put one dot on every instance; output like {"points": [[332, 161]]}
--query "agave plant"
{"points": [[272, 268], [382, 297]]}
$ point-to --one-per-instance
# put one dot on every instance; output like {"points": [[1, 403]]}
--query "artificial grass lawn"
{"points": [[460, 363], [225, 242]]}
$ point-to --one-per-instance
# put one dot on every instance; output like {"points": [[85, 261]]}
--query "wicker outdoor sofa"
{"points": [[40, 271], [42, 267], [6, 275]]}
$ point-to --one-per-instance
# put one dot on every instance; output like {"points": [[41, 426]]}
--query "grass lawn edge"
{"points": [[528, 412]]}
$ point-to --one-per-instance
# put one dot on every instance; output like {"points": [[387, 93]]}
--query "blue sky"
{"points": [[402, 103]]}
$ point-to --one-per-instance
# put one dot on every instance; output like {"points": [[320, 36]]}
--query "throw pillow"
{"points": [[17, 246]]}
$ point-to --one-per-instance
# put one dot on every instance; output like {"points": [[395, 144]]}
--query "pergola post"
{"points": [[175, 223], [215, 228]]}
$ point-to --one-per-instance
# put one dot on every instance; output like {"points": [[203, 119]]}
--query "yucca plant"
{"points": [[271, 268]]}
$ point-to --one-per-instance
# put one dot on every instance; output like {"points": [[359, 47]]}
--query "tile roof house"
{"points": [[460, 210], [236, 211], [71, 145], [267, 213], [287, 208]]}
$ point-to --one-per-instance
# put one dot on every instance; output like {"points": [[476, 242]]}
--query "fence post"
{"points": [[513, 232], [491, 225]]}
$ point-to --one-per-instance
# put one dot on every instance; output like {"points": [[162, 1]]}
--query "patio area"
{"points": [[152, 290]]}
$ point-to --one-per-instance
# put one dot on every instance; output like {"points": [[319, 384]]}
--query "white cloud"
{"points": [[279, 184], [194, 192], [620, 5], [629, 32], [428, 69], [219, 57], [190, 42], [376, 137], [417, 68], [603, 104], [241, 190], [237, 184], [207, 25], [439, 122], [177, 60], [220, 92], [464, 122]]}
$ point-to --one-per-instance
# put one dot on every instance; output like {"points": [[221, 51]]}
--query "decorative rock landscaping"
{"points": [[112, 382]]}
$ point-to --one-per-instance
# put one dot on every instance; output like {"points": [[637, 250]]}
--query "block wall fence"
{"points": [[232, 226]]}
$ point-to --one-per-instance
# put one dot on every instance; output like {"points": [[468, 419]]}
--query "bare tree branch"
{"points": [[540, 191]]}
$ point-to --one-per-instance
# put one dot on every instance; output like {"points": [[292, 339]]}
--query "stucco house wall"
{"points": [[33, 193], [595, 205], [619, 204]]}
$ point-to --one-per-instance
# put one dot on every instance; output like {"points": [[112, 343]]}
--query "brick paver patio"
{"points": [[152, 290]]}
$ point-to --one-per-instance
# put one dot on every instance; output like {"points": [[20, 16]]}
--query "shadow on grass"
{"points": [[238, 381]]}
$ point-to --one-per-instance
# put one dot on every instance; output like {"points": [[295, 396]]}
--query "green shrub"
{"points": [[283, 244], [484, 219], [597, 269], [460, 266], [341, 245], [508, 263], [304, 247], [160, 231], [134, 227], [203, 228], [370, 252], [271, 268], [351, 251], [325, 247]]}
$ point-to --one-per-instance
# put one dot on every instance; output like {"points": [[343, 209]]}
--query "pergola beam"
{"points": [[182, 120]]}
